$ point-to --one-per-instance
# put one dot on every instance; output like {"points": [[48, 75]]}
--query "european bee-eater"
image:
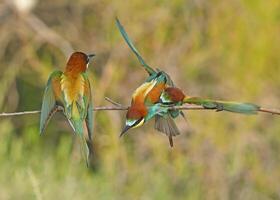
{"points": [[174, 96], [70, 90], [140, 112], [144, 97], [168, 94], [163, 123]]}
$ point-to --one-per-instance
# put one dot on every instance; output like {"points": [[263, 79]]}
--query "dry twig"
{"points": [[121, 107]]}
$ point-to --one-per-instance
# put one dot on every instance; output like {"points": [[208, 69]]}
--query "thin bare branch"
{"points": [[113, 102], [121, 107], [110, 108], [4, 114], [271, 111], [19, 113]]}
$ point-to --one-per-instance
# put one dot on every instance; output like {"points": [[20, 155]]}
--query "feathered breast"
{"points": [[73, 88]]}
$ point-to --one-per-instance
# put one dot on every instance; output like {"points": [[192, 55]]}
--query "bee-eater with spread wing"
{"points": [[166, 95], [164, 124], [70, 90], [142, 109]]}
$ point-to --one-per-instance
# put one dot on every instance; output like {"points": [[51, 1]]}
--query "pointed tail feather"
{"points": [[85, 150], [89, 143], [236, 107], [167, 126], [77, 126], [85, 142]]}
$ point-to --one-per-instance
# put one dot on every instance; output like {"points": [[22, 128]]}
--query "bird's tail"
{"points": [[166, 125], [230, 106], [85, 143], [85, 147]]}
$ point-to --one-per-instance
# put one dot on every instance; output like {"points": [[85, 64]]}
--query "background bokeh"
{"points": [[220, 49]]}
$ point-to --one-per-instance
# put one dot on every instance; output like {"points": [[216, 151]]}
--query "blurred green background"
{"points": [[220, 49]]}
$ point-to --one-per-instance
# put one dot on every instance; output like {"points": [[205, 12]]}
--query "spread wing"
{"points": [[51, 99], [133, 48]]}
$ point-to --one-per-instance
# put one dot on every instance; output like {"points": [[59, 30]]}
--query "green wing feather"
{"points": [[89, 110], [236, 107], [89, 121], [133, 48], [50, 100], [149, 69]]}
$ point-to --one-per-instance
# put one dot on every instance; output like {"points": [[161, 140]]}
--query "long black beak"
{"points": [[90, 57], [125, 129]]}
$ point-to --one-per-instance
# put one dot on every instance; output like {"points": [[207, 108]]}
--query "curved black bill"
{"points": [[125, 129], [90, 57]]}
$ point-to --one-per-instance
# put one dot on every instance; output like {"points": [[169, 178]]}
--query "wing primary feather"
{"points": [[133, 48], [89, 122], [50, 101], [44, 124]]}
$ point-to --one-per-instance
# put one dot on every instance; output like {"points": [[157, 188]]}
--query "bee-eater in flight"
{"points": [[70, 90], [152, 98]]}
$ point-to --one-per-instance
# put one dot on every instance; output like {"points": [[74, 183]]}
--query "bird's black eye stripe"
{"points": [[138, 121]]}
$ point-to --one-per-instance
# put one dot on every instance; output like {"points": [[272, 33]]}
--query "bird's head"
{"points": [[78, 62], [172, 95], [135, 117]]}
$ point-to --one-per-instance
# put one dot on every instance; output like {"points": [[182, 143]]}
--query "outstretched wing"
{"points": [[51, 99], [133, 48]]}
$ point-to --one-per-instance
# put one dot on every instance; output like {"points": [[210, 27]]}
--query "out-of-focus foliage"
{"points": [[219, 49]]}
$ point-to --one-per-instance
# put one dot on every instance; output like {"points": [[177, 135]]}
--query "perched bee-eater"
{"points": [[166, 95], [174, 96], [163, 123], [143, 98], [70, 90]]}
